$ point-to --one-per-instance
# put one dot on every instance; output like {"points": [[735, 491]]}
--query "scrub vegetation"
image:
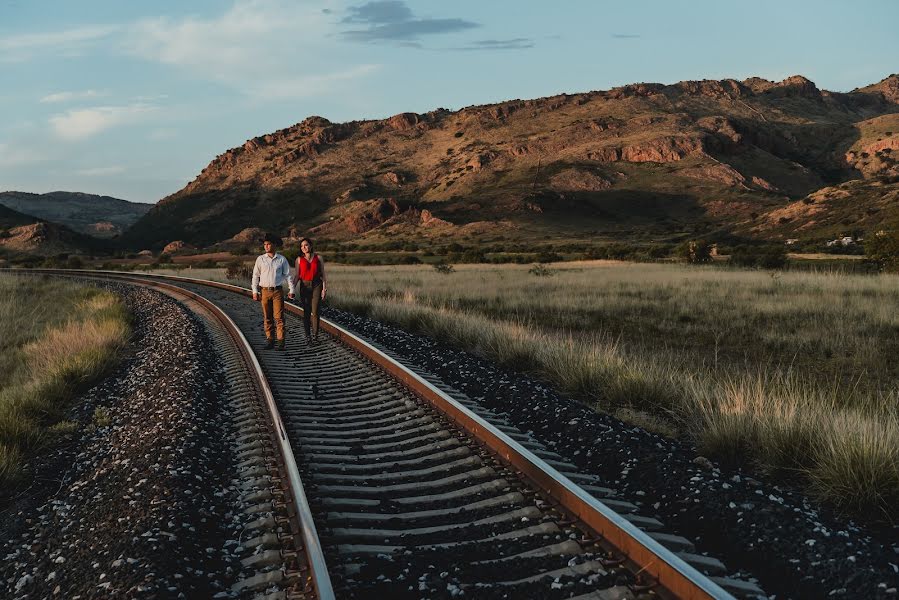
{"points": [[55, 338], [792, 372]]}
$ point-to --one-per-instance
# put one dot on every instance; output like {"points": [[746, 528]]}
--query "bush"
{"points": [[541, 270], [410, 259], [164, 259], [762, 257], [695, 251], [473, 256], [74, 262], [443, 268], [205, 264], [882, 248]]}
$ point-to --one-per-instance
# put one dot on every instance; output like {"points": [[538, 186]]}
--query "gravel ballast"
{"points": [[766, 533], [137, 504]]}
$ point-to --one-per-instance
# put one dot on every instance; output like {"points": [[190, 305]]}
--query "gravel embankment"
{"points": [[138, 507], [768, 533]]}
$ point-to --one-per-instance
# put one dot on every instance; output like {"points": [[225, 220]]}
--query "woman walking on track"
{"points": [[310, 275]]}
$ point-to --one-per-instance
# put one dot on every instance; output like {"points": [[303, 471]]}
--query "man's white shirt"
{"points": [[271, 272]]}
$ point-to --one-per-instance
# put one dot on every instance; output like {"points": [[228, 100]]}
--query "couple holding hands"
{"points": [[270, 272]]}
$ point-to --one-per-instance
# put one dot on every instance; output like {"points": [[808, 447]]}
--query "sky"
{"points": [[133, 99]]}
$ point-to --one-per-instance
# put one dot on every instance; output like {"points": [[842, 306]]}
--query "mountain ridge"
{"points": [[656, 159]]}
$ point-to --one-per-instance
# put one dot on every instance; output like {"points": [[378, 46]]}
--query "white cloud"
{"points": [[101, 171], [257, 47], [70, 96], [20, 47], [84, 123]]}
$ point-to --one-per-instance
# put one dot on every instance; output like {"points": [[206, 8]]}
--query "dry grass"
{"points": [[795, 372], [56, 337]]}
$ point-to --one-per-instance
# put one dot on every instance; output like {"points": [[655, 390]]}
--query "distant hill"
{"points": [[98, 216], [10, 218], [646, 161], [24, 234]]}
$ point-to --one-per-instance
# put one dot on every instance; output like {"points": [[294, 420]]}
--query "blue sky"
{"points": [[133, 99]]}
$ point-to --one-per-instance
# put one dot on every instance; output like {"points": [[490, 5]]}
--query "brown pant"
{"points": [[273, 306]]}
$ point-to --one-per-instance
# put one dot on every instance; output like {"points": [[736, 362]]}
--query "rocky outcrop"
{"points": [[371, 214], [608, 154], [796, 86], [44, 239], [635, 90], [662, 150], [718, 173], [250, 235], [758, 85], [403, 121], [177, 246], [427, 219], [104, 229], [888, 89], [391, 179], [711, 88], [357, 192]]}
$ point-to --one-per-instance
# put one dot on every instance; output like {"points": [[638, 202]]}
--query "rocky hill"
{"points": [[24, 234], [645, 161], [98, 216]]}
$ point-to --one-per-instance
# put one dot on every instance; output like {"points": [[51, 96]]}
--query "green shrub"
{"points": [[882, 248], [74, 262], [541, 270], [443, 268], [695, 251]]}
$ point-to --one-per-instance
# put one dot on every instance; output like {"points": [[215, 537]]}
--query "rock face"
{"points": [[177, 246], [662, 150], [403, 121], [722, 150], [796, 86]]}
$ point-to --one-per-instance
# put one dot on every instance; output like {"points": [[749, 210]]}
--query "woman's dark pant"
{"points": [[310, 297]]}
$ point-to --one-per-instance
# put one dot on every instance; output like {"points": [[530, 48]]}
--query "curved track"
{"points": [[417, 492]]}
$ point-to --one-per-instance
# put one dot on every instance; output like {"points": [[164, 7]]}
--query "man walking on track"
{"points": [[269, 273]]}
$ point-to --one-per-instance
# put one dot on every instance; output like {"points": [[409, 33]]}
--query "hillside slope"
{"points": [[98, 216], [644, 161]]}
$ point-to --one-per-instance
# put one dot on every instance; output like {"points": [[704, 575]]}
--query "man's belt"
{"points": [[270, 289]]}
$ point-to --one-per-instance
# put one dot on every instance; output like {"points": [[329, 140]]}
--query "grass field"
{"points": [[55, 337], [794, 372]]}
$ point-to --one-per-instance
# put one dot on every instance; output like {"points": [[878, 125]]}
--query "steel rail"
{"points": [[312, 545], [672, 573]]}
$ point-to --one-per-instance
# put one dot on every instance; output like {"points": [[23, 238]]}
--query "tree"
{"points": [[695, 251], [883, 249]]}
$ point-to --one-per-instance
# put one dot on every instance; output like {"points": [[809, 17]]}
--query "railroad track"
{"points": [[393, 485]]}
